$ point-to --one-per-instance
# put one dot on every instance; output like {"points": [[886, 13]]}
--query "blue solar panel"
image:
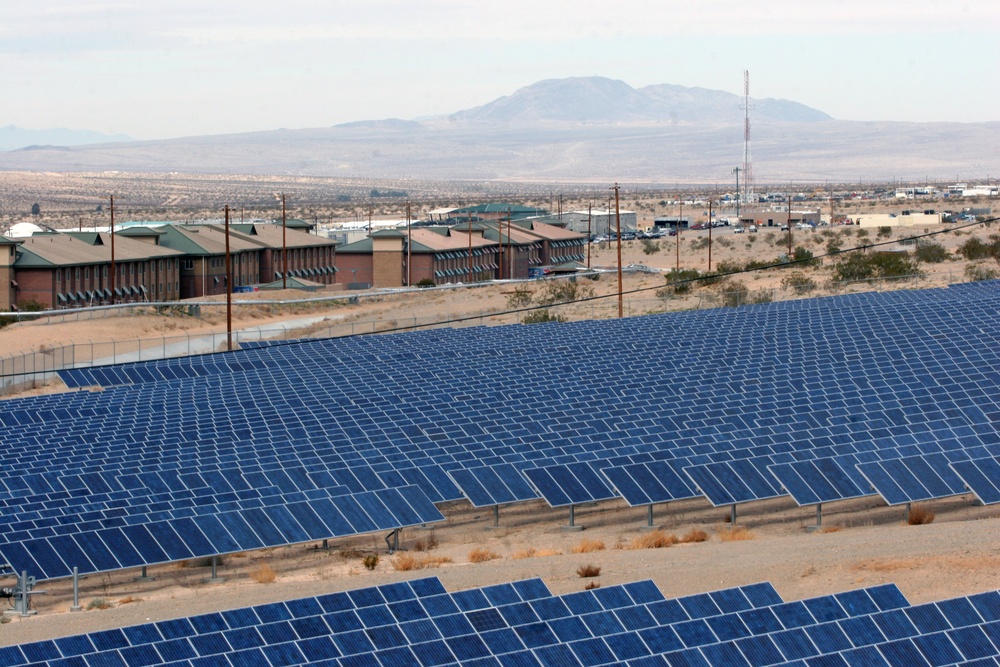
{"points": [[569, 484], [821, 480], [911, 479], [732, 482], [982, 477], [650, 482]]}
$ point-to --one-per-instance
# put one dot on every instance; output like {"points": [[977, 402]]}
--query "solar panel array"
{"points": [[419, 623], [730, 404]]}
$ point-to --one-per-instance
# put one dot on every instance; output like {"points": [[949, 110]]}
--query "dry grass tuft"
{"points": [[920, 516], [735, 534], [99, 603], [542, 553], [404, 562], [656, 539], [831, 529], [263, 574], [588, 546], [129, 599], [426, 543], [521, 554], [588, 571], [481, 555], [694, 535], [592, 585], [808, 572]]}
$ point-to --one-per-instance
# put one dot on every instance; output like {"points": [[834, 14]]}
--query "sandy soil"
{"points": [[864, 542]]}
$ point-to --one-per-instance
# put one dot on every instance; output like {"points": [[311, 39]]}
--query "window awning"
{"points": [[118, 291], [90, 295], [72, 297], [143, 288], [13, 283], [81, 296], [61, 297], [277, 274]]}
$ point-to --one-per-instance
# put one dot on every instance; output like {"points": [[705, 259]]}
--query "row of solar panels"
{"points": [[523, 624], [117, 434]]}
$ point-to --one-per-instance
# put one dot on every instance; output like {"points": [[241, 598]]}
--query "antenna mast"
{"points": [[747, 196]]}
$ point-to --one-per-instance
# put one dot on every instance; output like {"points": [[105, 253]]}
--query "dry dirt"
{"points": [[864, 543]]}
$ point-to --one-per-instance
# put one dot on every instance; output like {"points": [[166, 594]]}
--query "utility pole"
{"points": [[710, 225], [736, 170], [284, 246], [789, 224], [229, 289], [589, 207], [113, 274], [409, 236], [469, 279], [677, 228], [618, 228], [510, 250]]}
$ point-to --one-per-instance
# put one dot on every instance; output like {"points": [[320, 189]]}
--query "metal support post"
{"points": [[732, 516], [326, 545], [392, 541], [144, 576], [909, 506], [215, 579], [572, 520], [649, 519], [76, 590], [496, 516], [819, 519]]}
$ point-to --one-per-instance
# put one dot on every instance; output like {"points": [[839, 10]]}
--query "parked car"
{"points": [[738, 229], [752, 228]]}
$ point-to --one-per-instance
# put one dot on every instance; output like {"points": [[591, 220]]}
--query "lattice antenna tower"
{"points": [[747, 196]]}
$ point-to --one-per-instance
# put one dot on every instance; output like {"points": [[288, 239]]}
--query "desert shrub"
{"points": [[931, 253], [974, 248], [694, 535], [681, 281], [129, 599], [862, 234], [833, 247], [591, 585], [264, 574], [4, 620], [587, 546], [407, 562], [735, 293], [735, 534], [99, 603], [804, 257], [563, 291], [649, 248], [975, 272], [370, 561], [798, 282], [481, 555], [426, 282], [919, 515], [520, 297], [541, 316], [426, 543], [656, 539], [884, 232], [588, 571], [870, 266]]}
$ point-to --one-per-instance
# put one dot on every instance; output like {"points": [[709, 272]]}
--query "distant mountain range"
{"points": [[589, 129], [13, 137]]}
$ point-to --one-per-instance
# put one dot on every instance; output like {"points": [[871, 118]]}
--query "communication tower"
{"points": [[747, 195]]}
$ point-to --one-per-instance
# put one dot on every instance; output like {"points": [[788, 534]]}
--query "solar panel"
{"points": [[912, 479], [569, 484], [821, 480], [651, 482], [731, 482], [982, 477], [493, 485]]}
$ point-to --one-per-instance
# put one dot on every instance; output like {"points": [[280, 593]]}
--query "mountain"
{"points": [[589, 129], [13, 137], [600, 100]]}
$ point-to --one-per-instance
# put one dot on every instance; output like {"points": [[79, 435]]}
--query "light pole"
{"points": [[284, 244], [618, 229]]}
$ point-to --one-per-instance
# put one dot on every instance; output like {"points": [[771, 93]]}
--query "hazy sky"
{"points": [[185, 67]]}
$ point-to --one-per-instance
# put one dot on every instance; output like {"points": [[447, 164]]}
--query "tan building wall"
{"points": [[7, 255], [387, 262], [886, 220]]}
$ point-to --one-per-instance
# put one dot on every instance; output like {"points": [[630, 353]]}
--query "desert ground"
{"points": [[862, 542]]}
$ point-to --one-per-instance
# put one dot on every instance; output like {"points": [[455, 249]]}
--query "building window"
{"points": [[58, 275]]}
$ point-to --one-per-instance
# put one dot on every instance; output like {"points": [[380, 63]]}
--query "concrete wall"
{"points": [[886, 220]]}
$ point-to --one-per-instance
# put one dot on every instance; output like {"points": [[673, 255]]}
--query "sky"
{"points": [[157, 70]]}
